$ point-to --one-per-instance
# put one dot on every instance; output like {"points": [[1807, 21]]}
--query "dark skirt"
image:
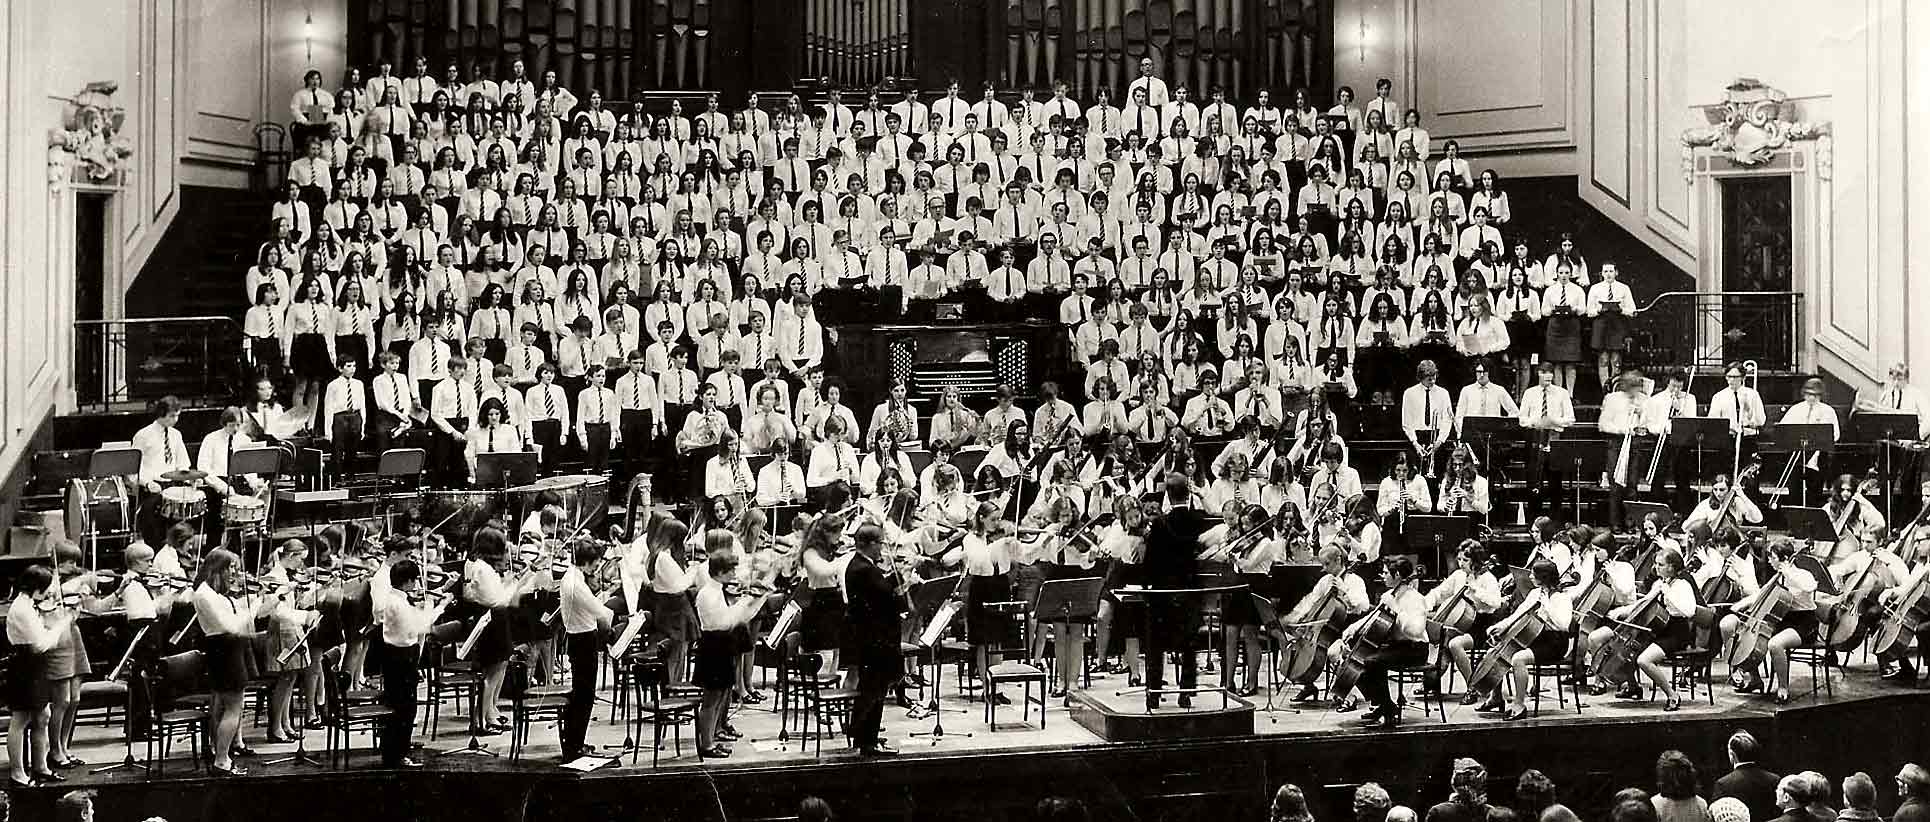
{"points": [[984, 625], [353, 345], [1551, 647], [310, 355], [267, 351], [1804, 623], [1525, 338], [68, 658], [1564, 340], [227, 662], [1678, 634], [26, 686], [1237, 608], [822, 624], [1610, 332], [671, 615], [716, 661], [492, 646]]}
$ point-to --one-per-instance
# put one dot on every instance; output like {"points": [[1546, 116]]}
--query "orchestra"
{"points": [[1195, 433]]}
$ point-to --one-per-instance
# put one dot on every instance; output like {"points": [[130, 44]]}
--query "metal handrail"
{"points": [[1692, 294], [104, 376]]}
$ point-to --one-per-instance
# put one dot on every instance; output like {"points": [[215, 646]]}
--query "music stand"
{"points": [[1068, 601], [1442, 532], [1485, 429], [1695, 433], [1798, 439], [1809, 523], [266, 462], [967, 460], [102, 464], [127, 726], [934, 603], [1584, 458], [401, 465], [1887, 428], [1269, 617]]}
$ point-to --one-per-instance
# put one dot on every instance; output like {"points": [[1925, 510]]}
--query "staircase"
{"points": [[197, 268]]}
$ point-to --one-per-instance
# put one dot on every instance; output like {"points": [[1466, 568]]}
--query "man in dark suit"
{"points": [[871, 611], [1172, 561], [1913, 789], [1748, 781]]}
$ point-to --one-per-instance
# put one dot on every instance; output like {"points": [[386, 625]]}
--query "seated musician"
{"points": [[1012, 457], [1106, 414], [1403, 492], [780, 481], [1852, 516], [1472, 580], [162, 450], [948, 504], [1283, 488], [729, 473], [1061, 484], [1331, 490], [1149, 422], [1246, 541], [1236, 485], [1799, 625], [1896, 664], [1811, 411], [1316, 432], [1720, 556], [895, 417], [1251, 443], [494, 434], [1359, 535], [1553, 606], [887, 454], [1336, 579], [1677, 593], [952, 424], [1463, 491], [180, 551], [1742, 510], [1406, 643], [1207, 415]]}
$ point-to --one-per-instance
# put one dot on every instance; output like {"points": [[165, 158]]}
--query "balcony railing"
{"points": [[1705, 329], [121, 362]]}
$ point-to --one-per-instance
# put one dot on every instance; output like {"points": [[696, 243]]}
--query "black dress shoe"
{"points": [[1186, 700], [49, 776]]}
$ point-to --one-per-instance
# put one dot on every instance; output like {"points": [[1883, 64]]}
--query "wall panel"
{"points": [[1495, 72], [1612, 128]]}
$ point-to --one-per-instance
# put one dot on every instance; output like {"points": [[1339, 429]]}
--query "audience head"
{"points": [[1534, 791], [1371, 802], [1728, 809], [1675, 775], [1743, 748], [1913, 781], [1289, 805]]}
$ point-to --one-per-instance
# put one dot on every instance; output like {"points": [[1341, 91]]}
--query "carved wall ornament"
{"points": [[90, 145], [1748, 127]]}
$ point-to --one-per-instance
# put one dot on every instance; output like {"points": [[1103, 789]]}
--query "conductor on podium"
{"points": [[1172, 562], [872, 610]]}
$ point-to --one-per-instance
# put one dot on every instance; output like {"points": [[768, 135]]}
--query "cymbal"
{"points": [[186, 475]]}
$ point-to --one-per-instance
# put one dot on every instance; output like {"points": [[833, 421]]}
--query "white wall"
{"points": [[1638, 72], [247, 58]]}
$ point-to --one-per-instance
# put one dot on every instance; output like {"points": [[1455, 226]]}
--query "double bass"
{"points": [[1369, 637], [1751, 640], [1520, 636], [1615, 660]]}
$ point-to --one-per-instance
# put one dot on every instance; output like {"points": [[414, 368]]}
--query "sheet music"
{"points": [[939, 621], [469, 644], [785, 619], [630, 631]]}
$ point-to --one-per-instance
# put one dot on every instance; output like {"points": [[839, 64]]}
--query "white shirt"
{"points": [[162, 450], [582, 610]]}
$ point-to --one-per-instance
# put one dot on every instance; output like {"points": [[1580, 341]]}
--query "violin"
{"points": [[1750, 643], [1370, 635], [1615, 660]]}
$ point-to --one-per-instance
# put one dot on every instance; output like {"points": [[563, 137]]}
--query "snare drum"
{"points": [[183, 503], [241, 510]]}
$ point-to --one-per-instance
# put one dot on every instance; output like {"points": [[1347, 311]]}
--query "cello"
{"points": [[1750, 643], [1595, 600], [1371, 636], [1520, 636], [1907, 615], [1847, 629], [1616, 658], [1322, 627]]}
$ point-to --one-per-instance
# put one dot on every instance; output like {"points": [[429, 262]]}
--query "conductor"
{"points": [[1172, 561], [871, 609]]}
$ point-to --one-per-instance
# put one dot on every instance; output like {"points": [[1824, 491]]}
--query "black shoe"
{"points": [[1470, 698], [1308, 693], [1186, 700], [716, 752], [1346, 705], [49, 776], [1516, 715], [1492, 705], [235, 770], [1631, 692], [728, 735], [1674, 704], [1001, 699], [1388, 722], [1152, 704], [880, 749], [19, 784]]}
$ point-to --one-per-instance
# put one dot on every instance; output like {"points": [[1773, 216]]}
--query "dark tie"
{"points": [[549, 402]]}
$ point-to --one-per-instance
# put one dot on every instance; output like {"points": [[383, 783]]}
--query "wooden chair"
{"points": [[344, 718], [528, 704], [648, 680], [1561, 672], [169, 679], [272, 155], [1695, 665], [1008, 672]]}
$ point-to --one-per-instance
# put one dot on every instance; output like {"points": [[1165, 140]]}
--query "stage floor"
{"points": [[968, 733]]}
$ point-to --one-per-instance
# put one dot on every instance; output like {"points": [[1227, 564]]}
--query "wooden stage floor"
{"points": [[1327, 747]]}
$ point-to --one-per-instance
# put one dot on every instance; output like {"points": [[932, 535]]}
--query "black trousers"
{"points": [[139, 698], [399, 680], [582, 649], [596, 446], [878, 670], [450, 461], [635, 426], [1175, 628], [1373, 677]]}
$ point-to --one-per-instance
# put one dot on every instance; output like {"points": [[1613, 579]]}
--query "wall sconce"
{"points": [[308, 35], [1362, 41]]}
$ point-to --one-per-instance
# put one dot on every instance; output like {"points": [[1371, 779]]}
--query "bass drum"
{"points": [[97, 506], [465, 512], [585, 498]]}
